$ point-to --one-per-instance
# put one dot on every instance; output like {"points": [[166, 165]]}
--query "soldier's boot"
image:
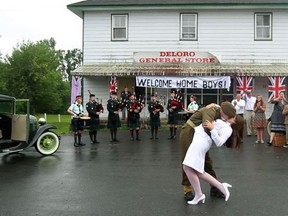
{"points": [[188, 193], [137, 134], [79, 140]]}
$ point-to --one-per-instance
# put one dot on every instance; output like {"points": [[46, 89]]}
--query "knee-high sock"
{"points": [[137, 133], [95, 135], [75, 136], [111, 132], [131, 133], [91, 135], [194, 180], [171, 131], [175, 131], [152, 131], [79, 137], [115, 133], [156, 131]]}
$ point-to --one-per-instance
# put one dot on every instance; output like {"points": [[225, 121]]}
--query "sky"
{"points": [[34, 20]]}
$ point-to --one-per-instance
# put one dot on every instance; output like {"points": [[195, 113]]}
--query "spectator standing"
{"points": [[249, 108], [285, 112], [239, 105], [259, 118], [277, 117], [124, 99]]}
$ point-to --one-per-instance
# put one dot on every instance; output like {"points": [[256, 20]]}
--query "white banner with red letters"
{"points": [[220, 82]]}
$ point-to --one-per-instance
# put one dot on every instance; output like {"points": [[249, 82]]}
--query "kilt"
{"points": [[133, 122], [155, 121], [173, 118], [94, 123], [113, 121], [77, 124]]}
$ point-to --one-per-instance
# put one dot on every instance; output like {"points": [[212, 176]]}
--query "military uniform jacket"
{"points": [[125, 98], [174, 111], [92, 108]]}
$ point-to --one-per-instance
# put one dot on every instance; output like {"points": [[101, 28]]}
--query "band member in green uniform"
{"points": [[134, 108], [210, 113], [76, 111], [173, 107], [154, 108], [114, 107], [94, 109]]}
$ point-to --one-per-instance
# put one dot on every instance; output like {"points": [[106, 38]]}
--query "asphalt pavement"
{"points": [[135, 178]]}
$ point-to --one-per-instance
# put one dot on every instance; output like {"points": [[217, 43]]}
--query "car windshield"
{"points": [[6, 107]]}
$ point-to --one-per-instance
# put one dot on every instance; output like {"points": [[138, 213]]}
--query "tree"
{"points": [[69, 61], [33, 73]]}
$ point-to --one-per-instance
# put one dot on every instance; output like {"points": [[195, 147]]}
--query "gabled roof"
{"points": [[89, 5], [6, 98]]}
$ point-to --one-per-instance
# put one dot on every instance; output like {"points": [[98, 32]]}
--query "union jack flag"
{"points": [[276, 85], [113, 84], [243, 83]]}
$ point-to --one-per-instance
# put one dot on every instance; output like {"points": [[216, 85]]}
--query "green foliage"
{"points": [[33, 72]]}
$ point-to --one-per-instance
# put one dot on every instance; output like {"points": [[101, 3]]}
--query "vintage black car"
{"points": [[19, 130]]}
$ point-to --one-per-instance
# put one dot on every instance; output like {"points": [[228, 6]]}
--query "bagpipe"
{"points": [[178, 100], [136, 105], [99, 106], [119, 104]]}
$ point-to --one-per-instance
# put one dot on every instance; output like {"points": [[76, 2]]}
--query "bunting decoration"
{"points": [[243, 83], [113, 84], [275, 86]]}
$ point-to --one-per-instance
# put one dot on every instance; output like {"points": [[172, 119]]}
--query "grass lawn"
{"points": [[63, 127]]}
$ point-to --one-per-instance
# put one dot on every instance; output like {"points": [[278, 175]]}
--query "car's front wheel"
{"points": [[47, 143]]}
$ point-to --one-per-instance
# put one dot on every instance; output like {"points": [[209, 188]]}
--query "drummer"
{"points": [[76, 111]]}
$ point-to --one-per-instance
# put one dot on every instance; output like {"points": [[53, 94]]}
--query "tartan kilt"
{"points": [[172, 118], [113, 121], [155, 121]]}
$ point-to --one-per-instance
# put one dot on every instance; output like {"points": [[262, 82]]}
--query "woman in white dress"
{"points": [[193, 163]]}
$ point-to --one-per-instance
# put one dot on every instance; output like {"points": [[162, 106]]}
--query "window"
{"points": [[119, 27], [263, 26], [188, 23]]}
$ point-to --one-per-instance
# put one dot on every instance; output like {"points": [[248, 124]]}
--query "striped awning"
{"points": [[181, 70]]}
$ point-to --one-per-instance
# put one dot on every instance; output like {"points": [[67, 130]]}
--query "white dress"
{"points": [[201, 143]]}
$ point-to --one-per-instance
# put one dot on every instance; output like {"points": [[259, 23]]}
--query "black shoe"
{"points": [[138, 139], [269, 143], [152, 138], [81, 144], [132, 138], [95, 142], [170, 138], [76, 144], [115, 140], [189, 196], [216, 192], [156, 137]]}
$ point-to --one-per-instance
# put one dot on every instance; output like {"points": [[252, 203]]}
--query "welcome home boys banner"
{"points": [[214, 82]]}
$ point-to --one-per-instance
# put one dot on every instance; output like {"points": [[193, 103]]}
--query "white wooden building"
{"points": [[249, 37]]}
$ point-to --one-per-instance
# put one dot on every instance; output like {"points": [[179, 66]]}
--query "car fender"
{"points": [[40, 131]]}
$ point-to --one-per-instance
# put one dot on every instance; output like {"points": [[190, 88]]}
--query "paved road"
{"points": [[139, 178]]}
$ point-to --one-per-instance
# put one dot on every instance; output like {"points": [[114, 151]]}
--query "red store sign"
{"points": [[170, 57]]}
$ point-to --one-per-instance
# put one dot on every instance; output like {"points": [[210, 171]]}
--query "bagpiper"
{"points": [[134, 108], [154, 108], [173, 107], [114, 106], [94, 108], [76, 111]]}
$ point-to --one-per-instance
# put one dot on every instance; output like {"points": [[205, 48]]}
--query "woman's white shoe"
{"points": [[227, 193], [195, 202]]}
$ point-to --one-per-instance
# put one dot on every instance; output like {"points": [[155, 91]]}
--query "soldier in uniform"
{"points": [[94, 109], [76, 111], [134, 108], [154, 108], [210, 113], [173, 107], [113, 107]]}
